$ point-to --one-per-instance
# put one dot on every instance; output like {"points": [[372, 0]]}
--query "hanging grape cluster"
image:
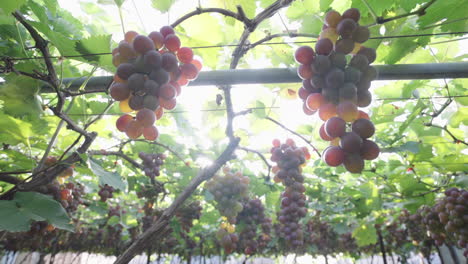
{"points": [[150, 72], [448, 219], [289, 159], [187, 214], [106, 192], [335, 88], [228, 191], [252, 218], [152, 163]]}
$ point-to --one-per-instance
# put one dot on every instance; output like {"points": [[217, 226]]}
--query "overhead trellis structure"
{"points": [[289, 75]]}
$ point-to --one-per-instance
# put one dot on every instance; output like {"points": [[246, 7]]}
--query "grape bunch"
{"points": [[71, 195], [68, 172], [289, 159], [106, 192], [229, 191], [335, 88], [150, 72], [321, 235], [253, 218], [152, 163], [448, 219], [187, 214], [227, 239]]}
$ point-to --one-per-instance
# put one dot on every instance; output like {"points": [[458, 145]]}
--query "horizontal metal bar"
{"points": [[289, 75]]}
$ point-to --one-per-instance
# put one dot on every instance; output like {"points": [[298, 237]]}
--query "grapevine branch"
{"points": [[455, 139], [154, 143], [239, 16], [295, 133], [154, 232], [381, 20], [9, 179], [261, 156], [118, 154]]}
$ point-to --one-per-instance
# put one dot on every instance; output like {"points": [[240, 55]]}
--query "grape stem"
{"points": [[118, 154], [261, 156], [240, 17], [455, 139], [295, 133], [380, 20]]}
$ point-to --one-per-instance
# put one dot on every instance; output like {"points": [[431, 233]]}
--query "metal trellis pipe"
{"points": [[289, 75]]}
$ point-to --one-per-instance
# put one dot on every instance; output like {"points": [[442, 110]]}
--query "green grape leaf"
{"points": [[9, 6], [162, 5], [12, 218], [110, 178], [14, 130], [365, 234], [460, 117]]}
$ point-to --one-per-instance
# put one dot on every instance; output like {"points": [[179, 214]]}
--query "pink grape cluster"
{"points": [[150, 72], [335, 88]]}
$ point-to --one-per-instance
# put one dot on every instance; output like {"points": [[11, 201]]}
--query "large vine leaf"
{"points": [[105, 177], [10, 6]]}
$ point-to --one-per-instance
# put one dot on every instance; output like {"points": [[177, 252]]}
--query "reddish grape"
{"points": [[335, 127], [182, 81], [326, 111], [351, 142], [333, 156], [167, 104], [363, 127], [304, 55], [363, 115], [314, 101], [166, 30], [306, 110], [332, 18], [352, 13], [324, 46], [323, 134], [130, 36], [305, 71], [353, 163], [167, 91], [172, 42], [197, 64], [122, 122], [157, 38], [146, 117], [134, 129], [159, 112], [189, 71], [303, 93], [276, 142], [176, 87], [347, 110], [142, 44], [369, 150], [185, 55], [126, 51], [150, 133], [119, 91]]}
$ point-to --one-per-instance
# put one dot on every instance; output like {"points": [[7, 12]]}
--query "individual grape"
{"points": [[146, 117], [338, 60], [333, 156], [323, 134], [314, 101], [323, 46], [151, 87], [364, 98], [172, 42], [167, 91], [347, 111], [335, 127], [304, 55], [369, 74], [334, 78], [303, 93], [117, 60], [348, 92], [150, 133], [326, 111], [331, 95], [130, 36], [197, 64], [332, 18], [157, 38], [160, 76], [369, 53], [166, 30], [167, 104], [134, 129], [169, 62], [329, 33], [306, 109], [185, 55], [351, 142], [344, 46], [136, 102], [360, 62], [176, 87], [304, 71], [117, 79], [363, 127], [122, 122], [308, 86], [175, 75], [318, 82], [363, 115], [159, 112], [363, 85], [142, 44], [352, 13], [136, 83], [361, 34], [151, 102], [369, 150], [189, 71], [353, 163], [124, 106], [119, 91], [126, 51], [182, 81], [125, 70], [321, 64], [352, 75], [346, 27], [152, 60]]}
